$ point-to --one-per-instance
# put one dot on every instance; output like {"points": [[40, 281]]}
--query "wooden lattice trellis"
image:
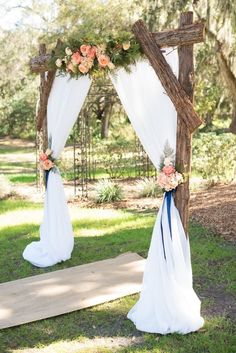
{"points": [[179, 90]]}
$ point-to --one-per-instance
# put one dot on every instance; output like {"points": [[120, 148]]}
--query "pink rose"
{"points": [[47, 164], [43, 157], [85, 49], [103, 60], [76, 58], [83, 68], [168, 169]]}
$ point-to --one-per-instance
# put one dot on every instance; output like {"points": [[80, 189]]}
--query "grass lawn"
{"points": [[100, 234]]}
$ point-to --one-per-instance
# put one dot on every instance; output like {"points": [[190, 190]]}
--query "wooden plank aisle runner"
{"points": [[59, 292]]}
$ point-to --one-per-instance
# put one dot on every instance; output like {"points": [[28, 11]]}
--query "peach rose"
{"points": [[87, 62], [92, 52], [76, 58], [83, 68], [47, 164], [70, 67], [43, 157], [162, 179], [103, 60], [84, 48], [168, 169]]}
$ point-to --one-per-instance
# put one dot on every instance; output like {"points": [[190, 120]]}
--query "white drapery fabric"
{"points": [[167, 301], [56, 235]]}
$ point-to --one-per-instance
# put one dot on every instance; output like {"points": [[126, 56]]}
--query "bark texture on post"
{"points": [[165, 74], [184, 138], [45, 88], [189, 34], [46, 81]]}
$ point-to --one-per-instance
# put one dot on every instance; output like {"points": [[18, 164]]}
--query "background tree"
{"points": [[47, 20]]}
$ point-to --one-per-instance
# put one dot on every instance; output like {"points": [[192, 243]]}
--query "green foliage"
{"points": [[114, 157], [214, 156], [18, 89], [148, 187], [108, 191]]}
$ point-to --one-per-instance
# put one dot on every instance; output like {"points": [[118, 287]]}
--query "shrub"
{"points": [[148, 187], [107, 191], [214, 156]]}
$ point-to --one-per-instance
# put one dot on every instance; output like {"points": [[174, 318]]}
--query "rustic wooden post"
{"points": [[41, 137], [46, 81], [184, 136]]}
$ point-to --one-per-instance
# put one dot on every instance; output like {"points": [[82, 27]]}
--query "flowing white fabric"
{"points": [[56, 235], [167, 301]]}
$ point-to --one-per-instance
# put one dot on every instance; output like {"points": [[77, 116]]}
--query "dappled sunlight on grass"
{"points": [[106, 226], [86, 222], [21, 217], [77, 213]]}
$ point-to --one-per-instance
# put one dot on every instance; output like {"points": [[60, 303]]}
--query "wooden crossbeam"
{"points": [[170, 83], [188, 34]]}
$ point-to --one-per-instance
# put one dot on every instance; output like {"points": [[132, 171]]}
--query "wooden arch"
{"points": [[179, 90]]}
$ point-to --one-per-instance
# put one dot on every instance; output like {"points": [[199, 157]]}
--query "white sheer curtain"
{"points": [[167, 301], [56, 235]]}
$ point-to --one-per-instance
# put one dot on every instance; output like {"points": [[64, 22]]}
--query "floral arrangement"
{"points": [[88, 57], [46, 160], [169, 178]]}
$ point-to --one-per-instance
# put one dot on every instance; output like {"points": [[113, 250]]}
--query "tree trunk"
{"points": [[105, 125], [226, 73], [230, 81]]}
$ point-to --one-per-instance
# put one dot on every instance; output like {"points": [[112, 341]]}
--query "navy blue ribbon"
{"points": [[46, 177], [167, 199]]}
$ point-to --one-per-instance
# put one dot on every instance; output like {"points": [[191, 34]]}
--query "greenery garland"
{"points": [[82, 57]]}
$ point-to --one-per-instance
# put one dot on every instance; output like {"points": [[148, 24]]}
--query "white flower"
{"points": [[126, 45], [65, 60], [111, 65], [167, 161], [58, 62], [68, 51], [48, 152]]}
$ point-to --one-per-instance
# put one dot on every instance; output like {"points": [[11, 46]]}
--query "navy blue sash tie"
{"points": [[46, 177], [167, 199]]}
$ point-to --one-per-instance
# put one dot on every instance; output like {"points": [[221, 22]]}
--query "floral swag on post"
{"points": [[168, 180], [47, 163]]}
